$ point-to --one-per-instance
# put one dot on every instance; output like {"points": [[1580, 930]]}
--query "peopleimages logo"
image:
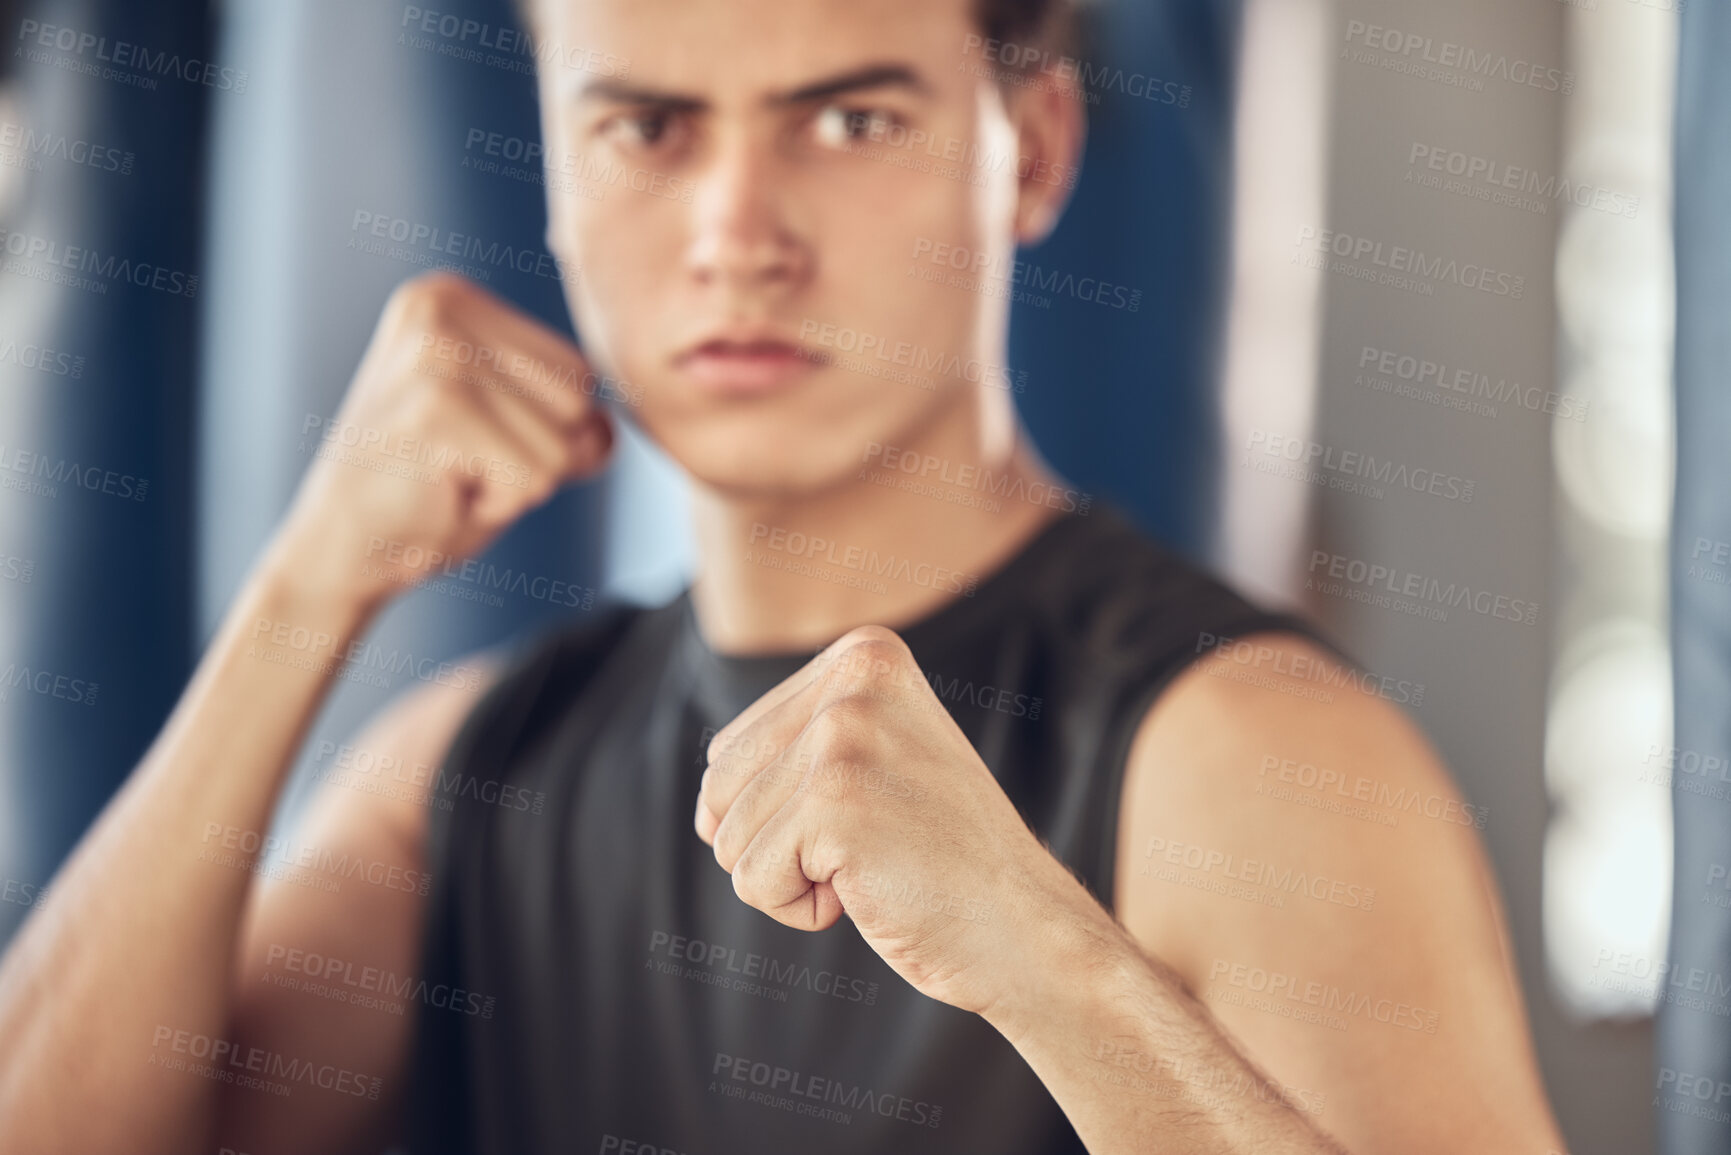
{"points": [[858, 559], [1286, 664], [500, 46], [971, 477], [38, 257], [1357, 788], [1199, 1082], [48, 683], [387, 774], [1352, 470], [521, 158], [813, 1089], [1485, 178], [1258, 873], [1399, 266], [1387, 585], [242, 844], [329, 975], [122, 54], [1329, 998], [1028, 61], [42, 359], [435, 243], [1459, 388], [229, 1062], [908, 355], [24, 141], [718, 961], [1444, 60], [53, 471], [288, 643], [23, 893], [980, 271], [429, 565]]}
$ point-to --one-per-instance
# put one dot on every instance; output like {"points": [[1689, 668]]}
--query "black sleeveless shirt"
{"points": [[619, 997]]}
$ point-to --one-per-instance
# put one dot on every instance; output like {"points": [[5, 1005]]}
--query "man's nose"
{"points": [[743, 237]]}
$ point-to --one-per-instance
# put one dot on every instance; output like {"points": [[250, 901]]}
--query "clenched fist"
{"points": [[463, 415], [848, 788]]}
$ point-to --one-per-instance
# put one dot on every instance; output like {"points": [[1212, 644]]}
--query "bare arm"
{"points": [[1315, 943], [1137, 1063], [137, 937], [123, 979], [332, 974], [1280, 976]]}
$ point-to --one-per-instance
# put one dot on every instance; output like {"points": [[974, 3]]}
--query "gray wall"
{"points": [[1484, 703]]}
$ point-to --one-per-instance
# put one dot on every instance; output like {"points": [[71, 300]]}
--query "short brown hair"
{"points": [[1051, 25]]}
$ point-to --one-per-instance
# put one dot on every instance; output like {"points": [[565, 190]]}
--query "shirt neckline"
{"points": [[725, 684]]}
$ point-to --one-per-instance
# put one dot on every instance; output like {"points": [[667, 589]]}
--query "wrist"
{"points": [[1068, 949], [304, 566], [296, 588]]}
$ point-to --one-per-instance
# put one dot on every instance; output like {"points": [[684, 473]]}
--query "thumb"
{"points": [[591, 443]]}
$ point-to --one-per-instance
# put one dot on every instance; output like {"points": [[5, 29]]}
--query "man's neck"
{"points": [[785, 574]]}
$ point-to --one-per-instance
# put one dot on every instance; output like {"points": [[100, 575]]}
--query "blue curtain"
{"points": [[96, 514], [1124, 401], [1693, 1044]]}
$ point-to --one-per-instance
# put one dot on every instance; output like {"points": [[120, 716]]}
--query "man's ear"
{"points": [[1051, 130]]}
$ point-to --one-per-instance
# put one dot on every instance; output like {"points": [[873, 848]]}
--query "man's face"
{"points": [[748, 188]]}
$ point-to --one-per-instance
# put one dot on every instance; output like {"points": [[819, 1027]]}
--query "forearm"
{"points": [[1135, 1062], [139, 932]]}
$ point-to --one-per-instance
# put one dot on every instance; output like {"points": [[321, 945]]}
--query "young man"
{"points": [[1088, 900]]}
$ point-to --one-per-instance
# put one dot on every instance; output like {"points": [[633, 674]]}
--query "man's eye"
{"points": [[838, 126], [638, 129]]}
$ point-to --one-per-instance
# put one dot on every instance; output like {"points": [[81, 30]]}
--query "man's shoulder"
{"points": [[537, 672], [1257, 805], [1131, 607], [1307, 867], [1106, 552], [581, 640]]}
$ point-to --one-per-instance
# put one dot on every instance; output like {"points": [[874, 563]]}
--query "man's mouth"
{"points": [[748, 367]]}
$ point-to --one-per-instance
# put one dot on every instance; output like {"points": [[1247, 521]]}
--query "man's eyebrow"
{"points": [[618, 93], [871, 76]]}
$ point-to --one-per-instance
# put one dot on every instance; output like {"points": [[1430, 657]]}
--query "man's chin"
{"points": [[771, 481]]}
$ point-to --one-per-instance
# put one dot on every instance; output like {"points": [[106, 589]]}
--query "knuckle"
{"points": [[745, 884], [772, 773], [722, 764], [429, 299], [838, 728], [741, 737], [875, 639], [754, 743], [728, 852], [867, 660], [881, 656], [441, 286], [722, 742], [756, 863]]}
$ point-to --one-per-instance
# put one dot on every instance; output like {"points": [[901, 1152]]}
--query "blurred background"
{"points": [[1484, 239]]}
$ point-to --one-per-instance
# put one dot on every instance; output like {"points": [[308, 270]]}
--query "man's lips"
{"points": [[748, 366]]}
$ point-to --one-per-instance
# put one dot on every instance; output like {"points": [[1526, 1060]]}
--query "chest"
{"points": [[648, 1002]]}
